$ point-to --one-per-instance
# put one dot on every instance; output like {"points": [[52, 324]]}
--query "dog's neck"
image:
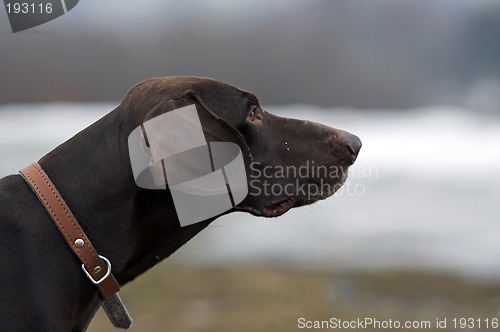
{"points": [[132, 227]]}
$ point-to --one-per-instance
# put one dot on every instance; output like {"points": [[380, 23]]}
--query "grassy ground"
{"points": [[181, 299]]}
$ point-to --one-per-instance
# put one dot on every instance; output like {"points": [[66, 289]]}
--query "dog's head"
{"points": [[288, 162]]}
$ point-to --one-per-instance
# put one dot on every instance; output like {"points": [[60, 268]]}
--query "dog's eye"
{"points": [[251, 115], [255, 115]]}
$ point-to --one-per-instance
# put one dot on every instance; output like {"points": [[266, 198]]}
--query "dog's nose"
{"points": [[352, 143]]}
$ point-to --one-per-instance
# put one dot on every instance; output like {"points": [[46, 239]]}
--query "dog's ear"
{"points": [[164, 134], [194, 153], [215, 127]]}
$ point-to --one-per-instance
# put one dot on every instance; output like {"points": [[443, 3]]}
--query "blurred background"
{"points": [[414, 233]]}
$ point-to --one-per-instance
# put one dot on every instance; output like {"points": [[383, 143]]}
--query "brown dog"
{"points": [[42, 286]]}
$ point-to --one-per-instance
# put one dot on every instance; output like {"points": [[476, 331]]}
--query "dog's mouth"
{"points": [[278, 208], [281, 205]]}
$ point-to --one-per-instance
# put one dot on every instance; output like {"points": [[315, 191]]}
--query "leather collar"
{"points": [[97, 268]]}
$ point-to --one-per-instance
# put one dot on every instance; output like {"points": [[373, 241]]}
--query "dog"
{"points": [[42, 286]]}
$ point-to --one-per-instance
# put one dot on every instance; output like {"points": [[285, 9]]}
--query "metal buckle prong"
{"points": [[108, 272]]}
